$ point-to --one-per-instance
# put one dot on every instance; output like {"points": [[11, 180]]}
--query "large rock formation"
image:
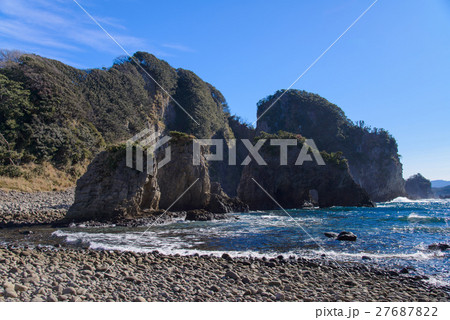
{"points": [[111, 191], [296, 186], [67, 115], [418, 187], [372, 153]]}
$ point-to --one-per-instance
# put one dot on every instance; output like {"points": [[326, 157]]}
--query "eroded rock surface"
{"points": [[112, 191], [293, 186]]}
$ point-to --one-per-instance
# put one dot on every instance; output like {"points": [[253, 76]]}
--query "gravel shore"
{"points": [[68, 274], [63, 274], [24, 209], [31, 208]]}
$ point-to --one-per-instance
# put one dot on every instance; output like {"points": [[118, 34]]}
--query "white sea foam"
{"points": [[401, 199], [414, 215], [435, 281], [418, 255], [173, 245], [406, 200]]}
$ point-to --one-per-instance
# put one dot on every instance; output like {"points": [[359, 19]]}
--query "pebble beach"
{"points": [[86, 275], [75, 274]]}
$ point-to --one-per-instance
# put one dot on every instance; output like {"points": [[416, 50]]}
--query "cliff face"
{"points": [[229, 175], [111, 191], [107, 193], [372, 154], [296, 186], [418, 187]]}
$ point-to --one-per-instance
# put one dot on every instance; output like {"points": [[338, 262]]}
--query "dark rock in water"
{"points": [[418, 187], [346, 236], [439, 246], [366, 258], [203, 215], [26, 232], [331, 234]]}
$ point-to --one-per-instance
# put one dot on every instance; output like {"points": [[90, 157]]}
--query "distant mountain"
{"points": [[439, 183]]}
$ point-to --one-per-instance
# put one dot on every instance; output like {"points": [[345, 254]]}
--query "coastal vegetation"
{"points": [[60, 116]]}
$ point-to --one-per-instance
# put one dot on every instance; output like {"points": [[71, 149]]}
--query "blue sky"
{"points": [[390, 70]]}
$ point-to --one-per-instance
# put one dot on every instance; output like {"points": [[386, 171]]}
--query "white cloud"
{"points": [[60, 25]]}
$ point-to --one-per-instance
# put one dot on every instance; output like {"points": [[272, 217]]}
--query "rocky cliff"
{"points": [[296, 186], [372, 154], [111, 191], [418, 187]]}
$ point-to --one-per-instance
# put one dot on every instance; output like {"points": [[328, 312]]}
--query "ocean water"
{"points": [[395, 234]]}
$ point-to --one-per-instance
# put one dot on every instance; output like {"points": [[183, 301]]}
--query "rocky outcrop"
{"points": [[111, 191], [439, 246], [346, 236], [372, 154], [294, 186], [418, 187], [204, 215]]}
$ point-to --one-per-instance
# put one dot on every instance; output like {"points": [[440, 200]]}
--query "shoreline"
{"points": [[20, 209], [26, 209], [63, 274]]}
